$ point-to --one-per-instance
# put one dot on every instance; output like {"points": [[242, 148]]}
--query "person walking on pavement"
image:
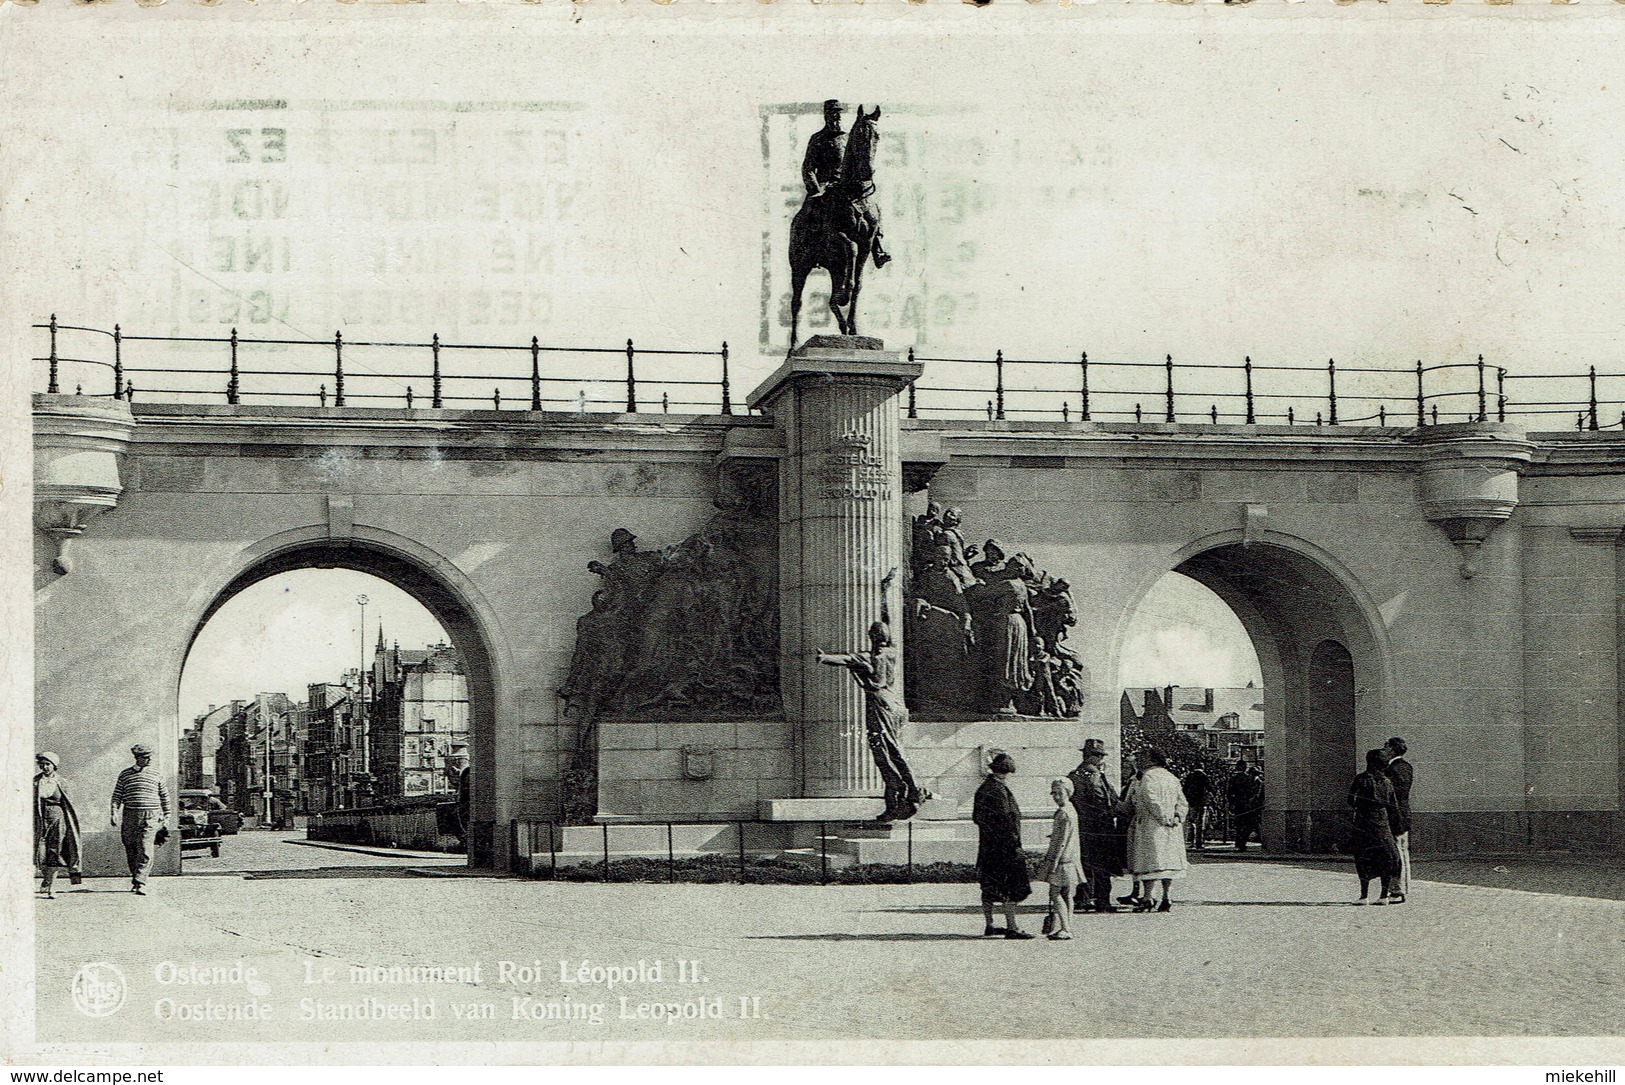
{"points": [[56, 826], [1100, 842], [1376, 817], [1196, 787], [143, 799], [1402, 775], [1001, 865]]}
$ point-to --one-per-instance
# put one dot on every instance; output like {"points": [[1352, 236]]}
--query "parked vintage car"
{"points": [[204, 820]]}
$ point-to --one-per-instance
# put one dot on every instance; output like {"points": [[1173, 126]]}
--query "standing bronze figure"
{"points": [[837, 228], [883, 712]]}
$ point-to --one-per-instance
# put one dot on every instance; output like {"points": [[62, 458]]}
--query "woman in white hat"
{"points": [[56, 826]]}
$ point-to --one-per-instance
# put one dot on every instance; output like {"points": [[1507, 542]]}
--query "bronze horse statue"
{"points": [[834, 231]]}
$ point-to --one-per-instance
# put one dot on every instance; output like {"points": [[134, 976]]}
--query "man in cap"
{"points": [[143, 798], [1095, 800]]}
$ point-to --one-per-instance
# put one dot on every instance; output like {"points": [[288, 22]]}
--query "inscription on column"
{"points": [[853, 471]]}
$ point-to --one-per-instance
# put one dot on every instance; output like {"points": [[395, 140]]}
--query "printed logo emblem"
{"points": [[98, 989]]}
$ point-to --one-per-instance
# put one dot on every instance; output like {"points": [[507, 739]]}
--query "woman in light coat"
{"points": [[56, 826], [1156, 836], [1063, 863]]}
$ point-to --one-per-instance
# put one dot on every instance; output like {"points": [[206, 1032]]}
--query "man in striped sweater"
{"points": [[144, 800]]}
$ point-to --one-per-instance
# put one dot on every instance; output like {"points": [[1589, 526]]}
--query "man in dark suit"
{"points": [[1245, 794], [1403, 775], [1095, 800], [1196, 787]]}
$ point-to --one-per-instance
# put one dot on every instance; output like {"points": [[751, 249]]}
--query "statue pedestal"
{"points": [[840, 532]]}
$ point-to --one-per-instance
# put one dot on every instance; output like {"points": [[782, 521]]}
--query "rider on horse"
{"points": [[821, 172]]}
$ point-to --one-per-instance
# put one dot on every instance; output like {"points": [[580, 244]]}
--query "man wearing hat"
{"points": [[144, 800], [1095, 800]]}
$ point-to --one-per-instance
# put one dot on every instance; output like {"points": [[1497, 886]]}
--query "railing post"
{"points": [[50, 384], [535, 375], [1421, 407], [1247, 368], [496, 399], [1483, 411], [913, 406], [910, 874], [998, 387], [606, 851], [671, 856], [1591, 407], [1170, 392], [823, 853], [231, 385], [727, 394], [338, 369], [1382, 415], [631, 382], [1500, 394], [740, 829], [118, 363], [434, 392], [1331, 386], [1083, 406]]}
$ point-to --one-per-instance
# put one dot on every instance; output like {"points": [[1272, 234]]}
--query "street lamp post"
{"points": [[361, 690], [269, 736]]}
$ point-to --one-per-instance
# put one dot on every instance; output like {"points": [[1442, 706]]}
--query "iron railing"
{"points": [[341, 372], [530, 839], [1084, 389]]}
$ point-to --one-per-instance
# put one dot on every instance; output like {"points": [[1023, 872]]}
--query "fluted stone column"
{"points": [[840, 532]]}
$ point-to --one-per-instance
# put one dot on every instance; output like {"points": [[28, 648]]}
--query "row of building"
{"points": [[397, 730], [1227, 723]]}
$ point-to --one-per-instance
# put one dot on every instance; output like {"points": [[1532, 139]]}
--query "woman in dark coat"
{"points": [[56, 826], [1001, 865], [1376, 812]]}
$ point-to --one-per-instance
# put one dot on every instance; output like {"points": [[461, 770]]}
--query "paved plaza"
{"points": [[1253, 948]]}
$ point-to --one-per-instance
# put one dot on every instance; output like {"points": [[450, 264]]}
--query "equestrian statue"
{"points": [[837, 228]]}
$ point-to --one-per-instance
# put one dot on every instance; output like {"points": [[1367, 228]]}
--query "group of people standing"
{"points": [[139, 810], [1380, 839], [1097, 833], [1100, 832], [1243, 795]]}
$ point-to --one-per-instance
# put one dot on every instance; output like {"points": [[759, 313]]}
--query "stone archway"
{"points": [[1324, 665], [444, 592]]}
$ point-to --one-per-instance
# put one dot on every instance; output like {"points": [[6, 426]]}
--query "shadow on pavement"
{"points": [[905, 936], [334, 872]]}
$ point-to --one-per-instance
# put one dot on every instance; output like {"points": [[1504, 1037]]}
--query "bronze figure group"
{"points": [[985, 629]]}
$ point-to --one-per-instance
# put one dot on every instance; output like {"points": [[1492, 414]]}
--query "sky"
{"points": [[292, 629], [1161, 183]]}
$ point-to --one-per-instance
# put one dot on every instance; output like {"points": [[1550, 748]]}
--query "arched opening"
{"points": [[408, 768], [1321, 668]]}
